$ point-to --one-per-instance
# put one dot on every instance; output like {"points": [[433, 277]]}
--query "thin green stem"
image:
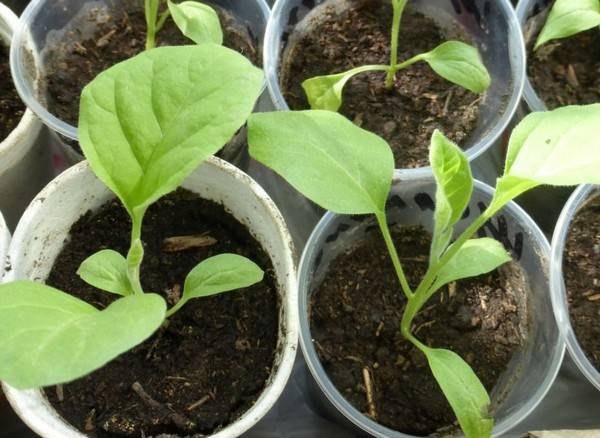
{"points": [[135, 254], [175, 308], [387, 237], [151, 13], [398, 6], [408, 62], [161, 20]]}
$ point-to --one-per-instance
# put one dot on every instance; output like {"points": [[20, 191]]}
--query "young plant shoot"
{"points": [[145, 125], [568, 18], [197, 21], [455, 61], [331, 165]]}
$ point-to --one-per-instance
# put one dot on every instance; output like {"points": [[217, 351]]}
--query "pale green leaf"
{"points": [[463, 390], [454, 185], [49, 337], [146, 123], [333, 162], [569, 17], [475, 257], [106, 270], [197, 21], [459, 63]]}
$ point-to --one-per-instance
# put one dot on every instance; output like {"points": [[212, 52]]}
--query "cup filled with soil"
{"points": [[219, 365], [311, 38], [575, 279], [62, 45], [351, 306]]}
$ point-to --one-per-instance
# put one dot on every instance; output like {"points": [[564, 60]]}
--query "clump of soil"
{"points": [[355, 319], [209, 365], [567, 71], [11, 107], [420, 101], [74, 62], [581, 267]]}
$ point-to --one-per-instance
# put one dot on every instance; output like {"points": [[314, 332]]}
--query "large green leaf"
{"points": [[569, 17], [459, 63], [197, 21], [49, 337], [106, 270], [454, 185], [148, 122], [333, 162]]}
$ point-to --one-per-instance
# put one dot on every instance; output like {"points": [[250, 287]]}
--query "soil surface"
{"points": [[567, 71], [582, 278], [74, 63], [355, 320], [209, 365], [11, 106], [420, 100]]}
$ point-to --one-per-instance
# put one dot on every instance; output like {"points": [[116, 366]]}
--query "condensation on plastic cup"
{"points": [[532, 370], [43, 21], [493, 26], [557, 284]]}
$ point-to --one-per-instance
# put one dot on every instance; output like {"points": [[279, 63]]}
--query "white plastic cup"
{"points": [[493, 26], [45, 225], [531, 371], [557, 283], [4, 244]]}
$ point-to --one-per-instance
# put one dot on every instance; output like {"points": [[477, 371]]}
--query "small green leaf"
{"points": [[325, 92], [569, 17], [146, 123], [106, 270], [475, 257], [454, 185], [333, 162], [197, 21], [463, 390], [49, 337], [459, 63]]}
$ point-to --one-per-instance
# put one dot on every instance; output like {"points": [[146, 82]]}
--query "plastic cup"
{"points": [[533, 368], [557, 283]]}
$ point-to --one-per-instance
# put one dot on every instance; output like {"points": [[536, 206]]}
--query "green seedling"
{"points": [[197, 21], [145, 125], [348, 170], [455, 61], [568, 18]]}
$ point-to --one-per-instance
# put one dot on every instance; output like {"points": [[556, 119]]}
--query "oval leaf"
{"points": [[463, 390], [197, 21], [149, 121], [331, 161], [569, 17], [459, 63], [49, 337], [106, 270]]}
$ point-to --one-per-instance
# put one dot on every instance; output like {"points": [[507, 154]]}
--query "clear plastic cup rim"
{"points": [[326, 385], [516, 41], [557, 284], [28, 95]]}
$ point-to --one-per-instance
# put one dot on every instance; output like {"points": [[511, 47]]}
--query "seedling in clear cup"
{"points": [[568, 18], [455, 61], [348, 170], [145, 125]]}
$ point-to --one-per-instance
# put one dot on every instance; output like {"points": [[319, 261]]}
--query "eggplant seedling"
{"points": [[332, 165], [145, 124], [455, 61], [197, 21], [568, 18]]}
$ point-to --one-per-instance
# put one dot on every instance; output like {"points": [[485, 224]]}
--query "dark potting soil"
{"points": [[582, 278], [75, 62], [420, 101], [355, 319], [209, 365], [11, 106], [567, 71]]}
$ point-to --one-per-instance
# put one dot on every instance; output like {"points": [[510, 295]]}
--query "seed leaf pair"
{"points": [[569, 17]]}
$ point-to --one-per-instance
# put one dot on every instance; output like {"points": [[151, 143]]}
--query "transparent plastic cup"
{"points": [[557, 283], [44, 23], [493, 27], [533, 368]]}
